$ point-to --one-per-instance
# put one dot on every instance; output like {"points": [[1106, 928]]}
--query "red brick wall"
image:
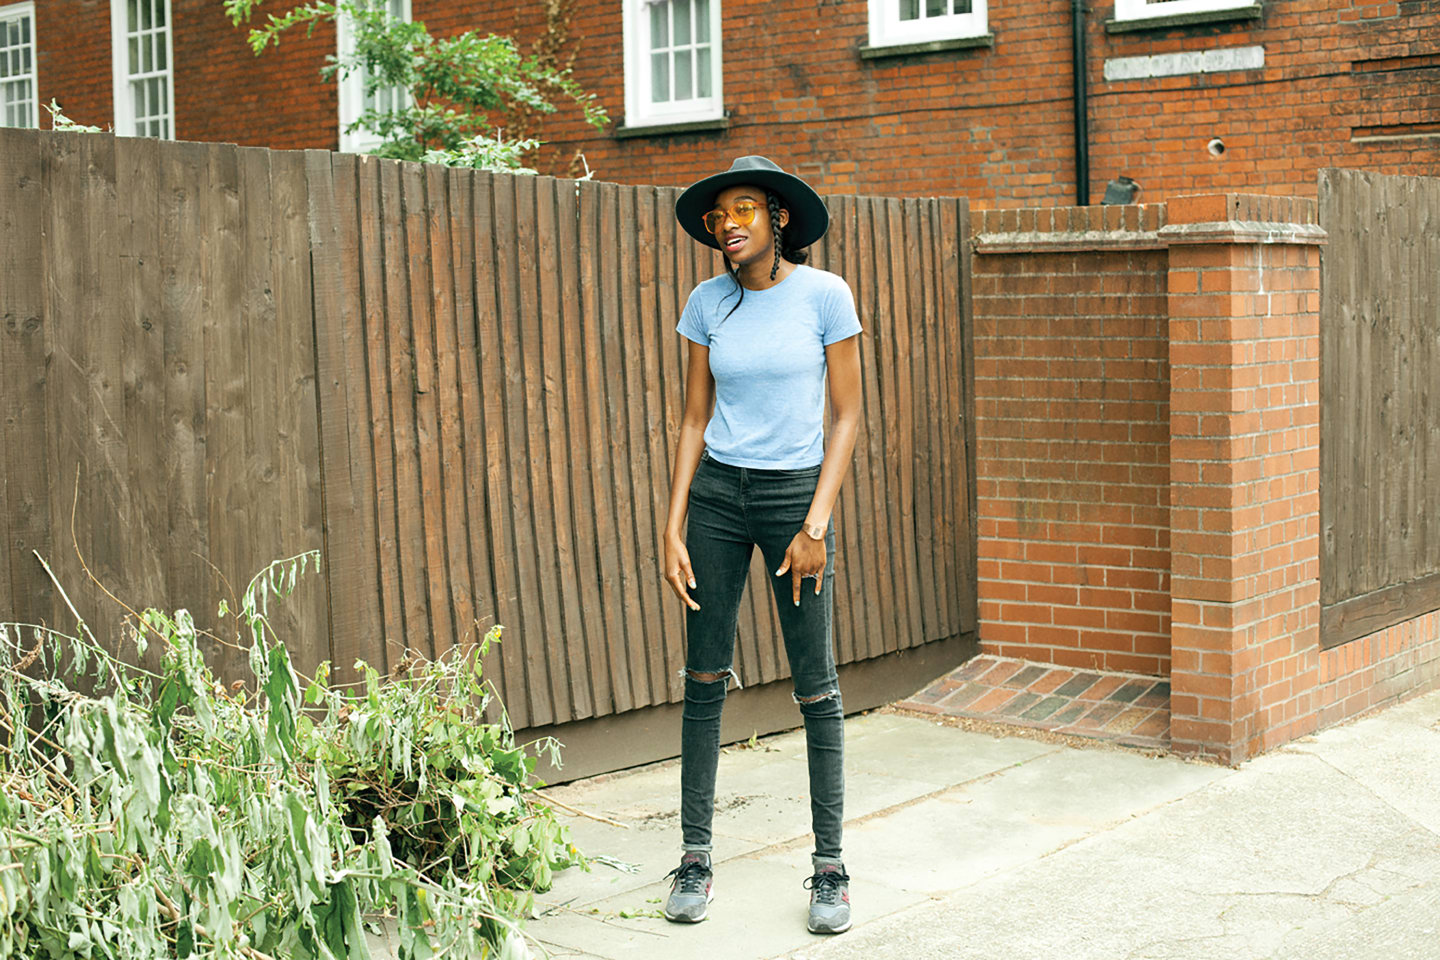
{"points": [[1376, 671], [1244, 472], [1072, 425], [992, 124]]}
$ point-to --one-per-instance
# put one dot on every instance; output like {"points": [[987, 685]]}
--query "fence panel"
{"points": [[1380, 407], [476, 378]]}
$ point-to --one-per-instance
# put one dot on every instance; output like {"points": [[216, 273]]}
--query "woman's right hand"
{"points": [[677, 570]]}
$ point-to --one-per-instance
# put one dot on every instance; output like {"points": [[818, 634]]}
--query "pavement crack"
{"points": [[1371, 790]]}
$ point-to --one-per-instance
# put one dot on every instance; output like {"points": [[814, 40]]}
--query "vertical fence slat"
{"points": [[23, 265], [375, 382], [602, 523], [288, 377], [647, 456], [448, 526], [228, 486], [589, 643], [546, 632], [552, 320], [849, 566], [616, 279], [491, 276], [354, 613], [142, 366], [467, 373], [879, 406], [927, 518]]}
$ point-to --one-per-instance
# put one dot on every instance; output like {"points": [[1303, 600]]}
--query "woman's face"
{"points": [[745, 242]]}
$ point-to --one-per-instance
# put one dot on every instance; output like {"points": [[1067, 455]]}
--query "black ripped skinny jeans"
{"points": [[732, 510]]}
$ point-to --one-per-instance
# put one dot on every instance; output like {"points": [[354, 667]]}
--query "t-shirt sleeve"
{"points": [[840, 320], [692, 321]]}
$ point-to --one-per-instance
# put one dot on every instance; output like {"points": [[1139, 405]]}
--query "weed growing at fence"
{"points": [[159, 814]]}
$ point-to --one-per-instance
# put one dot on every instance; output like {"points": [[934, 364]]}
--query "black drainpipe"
{"points": [[1082, 111]]}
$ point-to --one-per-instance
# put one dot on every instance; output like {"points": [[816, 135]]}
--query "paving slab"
{"points": [[966, 844]]}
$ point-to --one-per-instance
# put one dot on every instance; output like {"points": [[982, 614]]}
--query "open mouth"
{"points": [[734, 243]]}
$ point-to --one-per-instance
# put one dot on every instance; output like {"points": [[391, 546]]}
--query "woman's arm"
{"points": [[699, 400], [806, 557], [842, 362]]}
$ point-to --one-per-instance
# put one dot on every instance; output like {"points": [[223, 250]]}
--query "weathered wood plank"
{"points": [[448, 527], [617, 305], [903, 466], [648, 455], [137, 164], [228, 492], [493, 275], [184, 254], [554, 318], [23, 353], [288, 376], [589, 641], [878, 378], [514, 315], [383, 492], [850, 605], [923, 391]]}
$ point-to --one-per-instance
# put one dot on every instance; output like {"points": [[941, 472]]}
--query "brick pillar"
{"points": [[1244, 302]]}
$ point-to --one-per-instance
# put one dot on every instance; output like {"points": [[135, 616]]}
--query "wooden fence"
{"points": [[1380, 401], [464, 388]]}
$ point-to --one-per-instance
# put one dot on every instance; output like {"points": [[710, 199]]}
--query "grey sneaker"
{"points": [[692, 889], [829, 899]]}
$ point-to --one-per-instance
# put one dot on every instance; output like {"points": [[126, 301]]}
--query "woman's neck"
{"points": [[756, 275]]}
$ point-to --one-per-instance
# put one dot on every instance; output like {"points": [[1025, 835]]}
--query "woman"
{"points": [[766, 339]]}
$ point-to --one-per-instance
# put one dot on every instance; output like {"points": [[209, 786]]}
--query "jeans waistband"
{"points": [[777, 473]]}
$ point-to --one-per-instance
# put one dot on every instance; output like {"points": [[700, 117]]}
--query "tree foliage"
{"points": [[453, 85], [162, 815]]}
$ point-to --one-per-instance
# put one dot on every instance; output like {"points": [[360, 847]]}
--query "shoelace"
{"points": [[827, 885], [690, 877]]}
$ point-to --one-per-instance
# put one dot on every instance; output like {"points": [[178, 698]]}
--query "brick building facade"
{"points": [[1264, 95]]}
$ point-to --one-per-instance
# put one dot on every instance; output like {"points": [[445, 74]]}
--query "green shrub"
{"points": [[162, 815]]}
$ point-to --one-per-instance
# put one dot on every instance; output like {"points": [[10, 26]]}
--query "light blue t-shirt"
{"points": [[768, 361]]}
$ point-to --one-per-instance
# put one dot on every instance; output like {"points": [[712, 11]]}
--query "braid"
{"points": [[774, 204]]}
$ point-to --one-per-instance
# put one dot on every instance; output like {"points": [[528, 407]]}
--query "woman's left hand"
{"points": [[804, 558]]}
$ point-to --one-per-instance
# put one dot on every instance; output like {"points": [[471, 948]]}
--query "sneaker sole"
{"points": [[832, 930], [680, 919]]}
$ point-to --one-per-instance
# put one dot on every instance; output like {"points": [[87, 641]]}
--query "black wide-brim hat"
{"points": [[808, 217]]}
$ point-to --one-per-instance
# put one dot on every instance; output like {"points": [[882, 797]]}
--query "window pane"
{"points": [[133, 15], [682, 22], [961, 6], [702, 72], [137, 99], [159, 6], [659, 77], [702, 21], [659, 26], [935, 8], [147, 50], [909, 9], [162, 58], [134, 64], [683, 67], [146, 14], [24, 30]]}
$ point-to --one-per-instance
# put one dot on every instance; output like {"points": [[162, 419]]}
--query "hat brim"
{"points": [[808, 217]]}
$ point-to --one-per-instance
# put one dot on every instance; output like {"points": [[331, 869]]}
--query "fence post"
{"points": [[1244, 280]]}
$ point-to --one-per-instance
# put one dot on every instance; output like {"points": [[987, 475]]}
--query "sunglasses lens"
{"points": [[713, 219], [743, 212]]}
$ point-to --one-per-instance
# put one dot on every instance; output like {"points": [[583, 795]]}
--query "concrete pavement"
{"points": [[971, 840]]}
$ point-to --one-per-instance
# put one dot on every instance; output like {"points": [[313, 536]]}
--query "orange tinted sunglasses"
{"points": [[742, 212]]}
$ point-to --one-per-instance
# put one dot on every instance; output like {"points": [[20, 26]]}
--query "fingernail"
{"points": [[797, 603], [692, 583]]}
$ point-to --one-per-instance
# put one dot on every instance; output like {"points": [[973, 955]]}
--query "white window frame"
{"points": [[352, 89], [888, 30], [122, 77], [639, 110], [1149, 9], [23, 11]]}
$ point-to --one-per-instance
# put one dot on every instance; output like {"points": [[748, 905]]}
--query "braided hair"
{"points": [[794, 255]]}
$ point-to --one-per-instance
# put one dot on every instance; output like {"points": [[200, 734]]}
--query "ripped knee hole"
{"points": [[827, 695]]}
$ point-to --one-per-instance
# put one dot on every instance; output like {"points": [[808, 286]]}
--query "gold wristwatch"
{"points": [[814, 531]]}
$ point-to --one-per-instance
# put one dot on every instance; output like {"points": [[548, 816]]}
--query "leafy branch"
{"points": [[451, 85], [162, 815]]}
